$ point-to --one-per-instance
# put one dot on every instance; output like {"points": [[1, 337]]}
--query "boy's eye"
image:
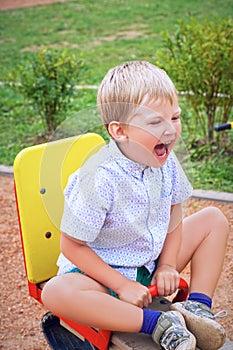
{"points": [[177, 117], [155, 122]]}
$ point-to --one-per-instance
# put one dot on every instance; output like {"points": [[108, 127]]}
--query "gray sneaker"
{"points": [[171, 333], [200, 320]]}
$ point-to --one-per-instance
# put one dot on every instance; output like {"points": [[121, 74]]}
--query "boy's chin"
{"points": [[153, 161], [157, 163]]}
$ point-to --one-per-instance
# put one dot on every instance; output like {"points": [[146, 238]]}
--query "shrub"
{"points": [[48, 82], [199, 59]]}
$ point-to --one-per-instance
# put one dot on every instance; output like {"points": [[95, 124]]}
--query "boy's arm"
{"points": [[87, 260], [166, 275]]}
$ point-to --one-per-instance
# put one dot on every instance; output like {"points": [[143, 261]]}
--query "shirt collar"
{"points": [[128, 165]]}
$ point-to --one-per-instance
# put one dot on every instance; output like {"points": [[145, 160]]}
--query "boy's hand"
{"points": [[167, 279], [135, 293]]}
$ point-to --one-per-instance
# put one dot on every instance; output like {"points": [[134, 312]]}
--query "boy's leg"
{"points": [[204, 240], [83, 300], [77, 297]]}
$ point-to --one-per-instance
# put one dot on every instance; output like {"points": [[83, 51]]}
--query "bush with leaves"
{"points": [[48, 82], [199, 59]]}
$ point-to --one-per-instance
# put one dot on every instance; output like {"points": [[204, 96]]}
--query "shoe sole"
{"points": [[209, 334]]}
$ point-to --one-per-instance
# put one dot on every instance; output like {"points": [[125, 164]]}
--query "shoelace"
{"points": [[174, 337], [220, 314], [202, 312], [173, 341]]}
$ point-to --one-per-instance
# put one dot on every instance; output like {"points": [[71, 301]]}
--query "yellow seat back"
{"points": [[41, 173]]}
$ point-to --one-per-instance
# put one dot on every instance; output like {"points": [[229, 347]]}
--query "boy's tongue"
{"points": [[160, 149]]}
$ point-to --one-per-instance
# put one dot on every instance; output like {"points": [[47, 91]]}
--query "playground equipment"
{"points": [[225, 126], [41, 173]]}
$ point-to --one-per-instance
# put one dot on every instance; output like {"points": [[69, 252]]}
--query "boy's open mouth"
{"points": [[161, 150]]}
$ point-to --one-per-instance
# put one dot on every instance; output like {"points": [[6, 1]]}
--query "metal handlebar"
{"points": [[225, 126]]}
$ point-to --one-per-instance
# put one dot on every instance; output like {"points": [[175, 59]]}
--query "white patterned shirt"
{"points": [[121, 209]]}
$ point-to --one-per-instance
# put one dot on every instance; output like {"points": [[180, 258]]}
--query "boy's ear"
{"points": [[117, 131]]}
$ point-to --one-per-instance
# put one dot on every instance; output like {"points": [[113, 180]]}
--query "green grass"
{"points": [[106, 33], [209, 167]]}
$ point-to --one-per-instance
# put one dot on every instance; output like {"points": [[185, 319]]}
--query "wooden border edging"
{"points": [[213, 196]]}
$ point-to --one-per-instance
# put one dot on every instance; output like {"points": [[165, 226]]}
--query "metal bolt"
{"points": [[48, 234]]}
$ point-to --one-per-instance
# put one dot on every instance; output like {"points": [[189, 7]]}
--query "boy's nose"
{"points": [[169, 129]]}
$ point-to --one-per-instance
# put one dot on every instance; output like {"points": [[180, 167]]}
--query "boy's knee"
{"points": [[49, 292], [216, 217], [45, 294]]}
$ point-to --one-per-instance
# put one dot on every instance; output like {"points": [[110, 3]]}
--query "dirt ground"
{"points": [[20, 315], [11, 4]]}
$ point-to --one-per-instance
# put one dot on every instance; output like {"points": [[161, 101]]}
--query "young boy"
{"points": [[122, 226]]}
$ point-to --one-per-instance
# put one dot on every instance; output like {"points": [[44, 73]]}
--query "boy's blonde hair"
{"points": [[130, 85]]}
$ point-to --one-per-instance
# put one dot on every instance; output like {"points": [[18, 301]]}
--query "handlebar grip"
{"points": [[225, 126], [181, 295], [153, 290]]}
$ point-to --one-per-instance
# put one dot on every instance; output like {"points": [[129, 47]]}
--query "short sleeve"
{"points": [[181, 187], [87, 201]]}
